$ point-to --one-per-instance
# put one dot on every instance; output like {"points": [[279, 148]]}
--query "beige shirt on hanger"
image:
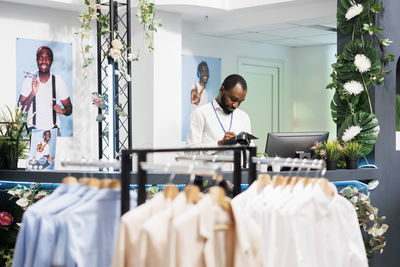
{"points": [[126, 247], [194, 242], [155, 233]]}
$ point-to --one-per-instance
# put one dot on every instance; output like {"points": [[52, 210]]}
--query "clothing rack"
{"points": [[126, 168]]}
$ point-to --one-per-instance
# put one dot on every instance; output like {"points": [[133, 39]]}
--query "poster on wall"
{"points": [[44, 84], [43, 149], [201, 80]]}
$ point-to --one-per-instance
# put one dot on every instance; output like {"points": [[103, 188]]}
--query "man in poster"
{"points": [[41, 93]]}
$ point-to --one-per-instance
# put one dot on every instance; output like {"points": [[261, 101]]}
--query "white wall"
{"points": [[311, 101], [52, 25]]}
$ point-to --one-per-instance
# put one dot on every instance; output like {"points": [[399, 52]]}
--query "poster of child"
{"points": [[43, 150]]}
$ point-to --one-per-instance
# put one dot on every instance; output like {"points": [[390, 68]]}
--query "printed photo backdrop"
{"points": [[61, 66], [190, 77], [43, 150]]}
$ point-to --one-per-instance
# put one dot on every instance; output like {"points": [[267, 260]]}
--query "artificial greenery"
{"points": [[12, 127], [21, 197], [369, 220], [369, 130], [397, 112], [358, 70], [351, 149]]}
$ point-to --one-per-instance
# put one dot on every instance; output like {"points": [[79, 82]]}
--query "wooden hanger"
{"points": [[218, 195], [306, 181], [287, 181], [170, 191], [115, 184], [324, 184], [93, 182], [83, 180], [277, 180], [294, 181], [192, 193], [69, 180], [263, 180], [105, 183]]}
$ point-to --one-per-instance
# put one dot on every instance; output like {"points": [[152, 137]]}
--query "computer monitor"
{"points": [[287, 144]]}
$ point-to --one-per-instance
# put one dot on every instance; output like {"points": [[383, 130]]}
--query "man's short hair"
{"points": [[47, 48], [202, 64], [232, 80]]}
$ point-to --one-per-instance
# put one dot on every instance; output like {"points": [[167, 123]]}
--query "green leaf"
{"points": [[369, 130], [397, 112], [376, 7]]}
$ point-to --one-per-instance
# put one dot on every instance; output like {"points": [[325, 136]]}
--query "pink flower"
{"points": [[145, 8], [96, 100], [313, 147], [340, 148], [322, 153], [6, 218]]}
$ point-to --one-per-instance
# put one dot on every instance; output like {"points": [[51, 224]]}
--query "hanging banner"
{"points": [[201, 80]]}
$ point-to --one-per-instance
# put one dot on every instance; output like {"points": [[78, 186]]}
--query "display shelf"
{"points": [[22, 175]]}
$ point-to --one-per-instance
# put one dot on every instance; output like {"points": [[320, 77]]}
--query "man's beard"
{"points": [[224, 106]]}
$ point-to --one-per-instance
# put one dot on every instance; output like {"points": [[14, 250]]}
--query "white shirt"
{"points": [[46, 151], [205, 129], [203, 97], [44, 101]]}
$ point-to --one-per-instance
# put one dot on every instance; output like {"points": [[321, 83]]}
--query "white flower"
{"points": [[115, 53], [132, 57], [351, 132], [353, 88], [117, 72], [23, 202], [385, 42], [353, 11], [117, 44], [363, 64]]}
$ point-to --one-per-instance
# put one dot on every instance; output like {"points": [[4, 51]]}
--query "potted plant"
{"points": [[351, 153], [329, 151], [12, 128], [333, 149]]}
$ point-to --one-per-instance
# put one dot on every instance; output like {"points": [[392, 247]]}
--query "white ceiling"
{"points": [[293, 34], [291, 23]]}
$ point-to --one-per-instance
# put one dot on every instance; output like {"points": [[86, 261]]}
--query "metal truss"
{"points": [[119, 14]]}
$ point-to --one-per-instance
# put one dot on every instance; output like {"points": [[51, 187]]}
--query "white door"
{"points": [[262, 99]]}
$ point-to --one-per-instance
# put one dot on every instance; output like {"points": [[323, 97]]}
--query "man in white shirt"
{"points": [[216, 122], [39, 95]]}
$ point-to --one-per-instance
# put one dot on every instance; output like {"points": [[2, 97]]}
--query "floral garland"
{"points": [[369, 220], [118, 50], [359, 67]]}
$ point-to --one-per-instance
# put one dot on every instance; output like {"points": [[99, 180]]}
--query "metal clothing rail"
{"points": [[183, 168], [292, 162], [142, 173], [116, 164], [212, 158]]}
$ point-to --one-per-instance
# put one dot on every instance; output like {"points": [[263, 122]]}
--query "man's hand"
{"points": [[35, 85], [227, 136], [58, 109]]}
